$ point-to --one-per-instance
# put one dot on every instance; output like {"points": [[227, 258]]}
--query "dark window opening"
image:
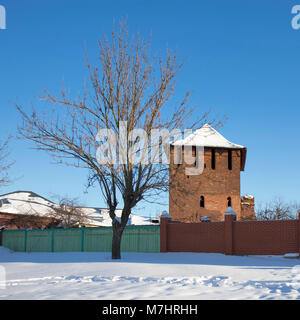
{"points": [[213, 159], [193, 151], [230, 159], [202, 204], [195, 154], [177, 158], [229, 202]]}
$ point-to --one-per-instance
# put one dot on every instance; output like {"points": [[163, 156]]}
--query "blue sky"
{"points": [[242, 59]]}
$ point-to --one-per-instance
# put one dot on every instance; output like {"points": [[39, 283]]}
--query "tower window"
{"points": [[229, 202], [202, 203], [213, 159], [230, 159], [195, 154]]}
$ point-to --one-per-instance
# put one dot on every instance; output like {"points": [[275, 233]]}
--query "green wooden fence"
{"points": [[134, 239]]}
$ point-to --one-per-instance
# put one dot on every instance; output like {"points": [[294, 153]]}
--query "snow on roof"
{"points": [[248, 196], [207, 136], [27, 202]]}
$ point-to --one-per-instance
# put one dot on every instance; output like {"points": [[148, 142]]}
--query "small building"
{"points": [[208, 194]]}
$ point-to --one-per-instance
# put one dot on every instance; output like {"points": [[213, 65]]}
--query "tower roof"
{"points": [[207, 136]]}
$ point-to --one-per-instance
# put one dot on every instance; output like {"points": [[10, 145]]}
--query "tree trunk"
{"points": [[118, 228], [116, 241]]}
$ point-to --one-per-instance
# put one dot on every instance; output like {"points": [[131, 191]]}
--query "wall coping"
{"points": [[230, 211]]}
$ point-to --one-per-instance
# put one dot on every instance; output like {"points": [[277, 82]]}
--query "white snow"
{"points": [[207, 136], [26, 202], [164, 214], [148, 276], [230, 211], [291, 255], [248, 196]]}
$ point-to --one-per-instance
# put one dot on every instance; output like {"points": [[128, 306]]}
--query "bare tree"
{"points": [[5, 165], [278, 210], [127, 84], [68, 213]]}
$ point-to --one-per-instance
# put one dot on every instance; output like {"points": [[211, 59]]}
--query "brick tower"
{"points": [[208, 194]]}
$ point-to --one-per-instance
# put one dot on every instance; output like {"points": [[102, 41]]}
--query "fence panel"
{"points": [[195, 237], [266, 237], [134, 239], [38, 241], [97, 239], [141, 239], [14, 239], [67, 240]]}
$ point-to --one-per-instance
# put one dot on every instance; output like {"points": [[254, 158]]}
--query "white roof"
{"points": [[27, 202], [207, 136]]}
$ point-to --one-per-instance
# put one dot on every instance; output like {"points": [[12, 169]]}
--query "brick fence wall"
{"points": [[231, 236]]}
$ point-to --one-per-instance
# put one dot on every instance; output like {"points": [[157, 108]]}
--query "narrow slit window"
{"points": [[229, 159], [195, 154], [213, 159], [202, 203], [229, 202]]}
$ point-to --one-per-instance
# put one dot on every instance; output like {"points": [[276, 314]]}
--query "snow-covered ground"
{"points": [[147, 276]]}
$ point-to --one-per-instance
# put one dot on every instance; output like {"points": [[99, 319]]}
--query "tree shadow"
{"points": [[173, 258]]}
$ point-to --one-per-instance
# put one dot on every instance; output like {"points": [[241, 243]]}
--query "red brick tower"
{"points": [[208, 194]]}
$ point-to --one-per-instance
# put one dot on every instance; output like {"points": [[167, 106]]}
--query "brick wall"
{"points": [[195, 237], [231, 236], [247, 208], [216, 185], [265, 237], [20, 221]]}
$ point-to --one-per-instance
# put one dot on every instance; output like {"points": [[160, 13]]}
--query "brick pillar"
{"points": [[230, 217], [164, 220]]}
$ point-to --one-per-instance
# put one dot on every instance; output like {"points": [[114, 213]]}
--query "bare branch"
{"points": [[127, 84]]}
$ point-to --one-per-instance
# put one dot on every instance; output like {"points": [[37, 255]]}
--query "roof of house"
{"points": [[27, 202]]}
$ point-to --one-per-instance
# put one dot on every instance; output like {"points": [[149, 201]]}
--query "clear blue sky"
{"points": [[243, 60]]}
